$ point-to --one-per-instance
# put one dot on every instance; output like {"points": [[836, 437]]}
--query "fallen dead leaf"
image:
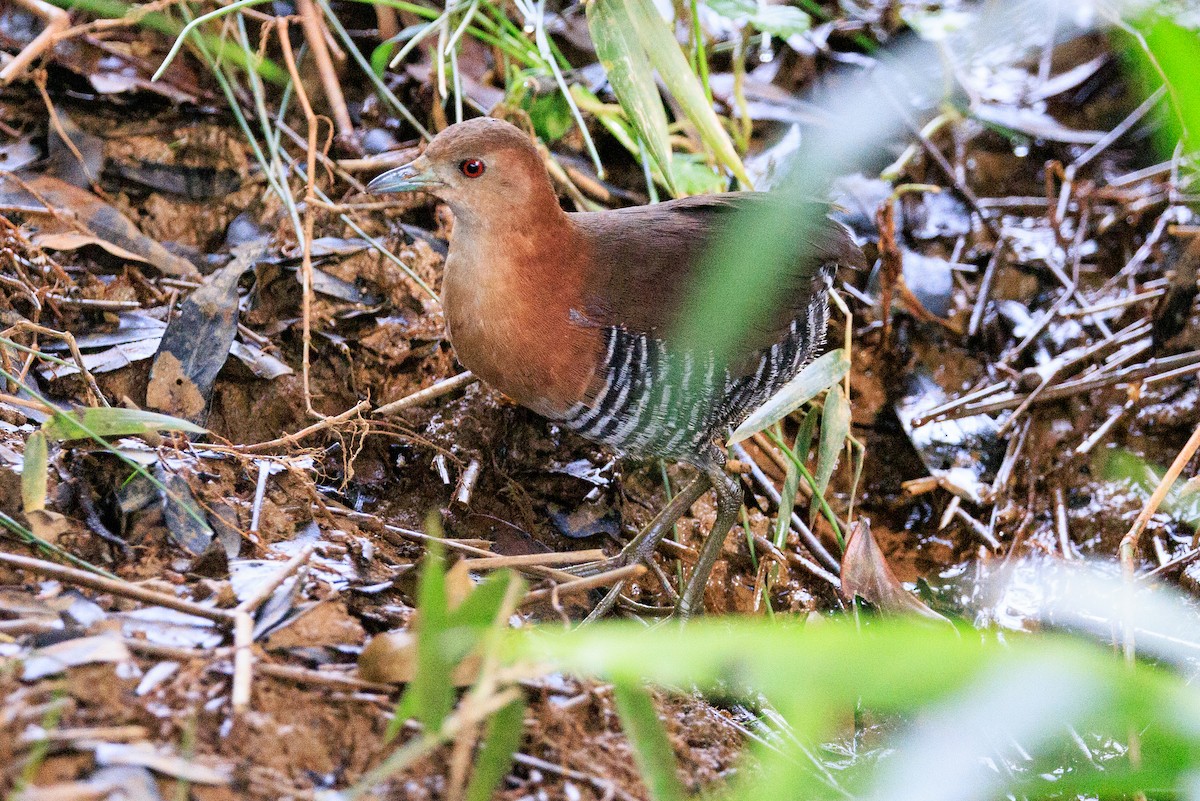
{"points": [[56, 658], [867, 575]]}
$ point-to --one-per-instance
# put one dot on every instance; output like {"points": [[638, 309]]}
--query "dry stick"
{"points": [[314, 34], [131, 18], [537, 571], [985, 289], [554, 558], [1004, 474], [39, 81], [1178, 365], [609, 577], [118, 587], [466, 485], [608, 790], [297, 674], [288, 440], [28, 291], [1129, 542], [1117, 303], [1103, 144], [935, 414], [326, 678], [387, 20], [1060, 523], [66, 336], [56, 20], [1143, 253], [37, 406], [98, 304], [443, 387], [264, 592], [1100, 433], [243, 661]]}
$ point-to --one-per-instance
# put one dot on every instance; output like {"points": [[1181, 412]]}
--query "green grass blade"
{"points": [[505, 731], [191, 26], [631, 75], [835, 426], [659, 43], [787, 501], [433, 694], [112, 422], [651, 747], [812, 380], [34, 467]]}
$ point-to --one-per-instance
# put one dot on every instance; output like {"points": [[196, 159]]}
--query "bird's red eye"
{"points": [[472, 168]]}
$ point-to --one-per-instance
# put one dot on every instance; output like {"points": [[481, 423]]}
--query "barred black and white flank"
{"points": [[655, 400]]}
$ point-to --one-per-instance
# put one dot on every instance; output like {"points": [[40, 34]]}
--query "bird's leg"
{"points": [[729, 503], [646, 542], [643, 545]]}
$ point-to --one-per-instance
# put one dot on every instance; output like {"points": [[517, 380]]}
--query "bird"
{"points": [[576, 315]]}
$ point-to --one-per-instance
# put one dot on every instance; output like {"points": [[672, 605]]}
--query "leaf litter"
{"points": [[983, 428]]}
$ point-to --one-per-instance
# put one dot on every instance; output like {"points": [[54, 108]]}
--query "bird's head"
{"points": [[481, 168]]}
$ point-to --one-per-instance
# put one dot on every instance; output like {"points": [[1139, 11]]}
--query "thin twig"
{"points": [[608, 577], [1129, 542], [118, 587], [443, 387], [56, 20], [314, 34], [288, 440]]}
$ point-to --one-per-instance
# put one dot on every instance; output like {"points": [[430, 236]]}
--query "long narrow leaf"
{"points": [[433, 695], [614, 32], [660, 44], [112, 422], [504, 733], [787, 501], [33, 473], [835, 426], [651, 748], [812, 380]]}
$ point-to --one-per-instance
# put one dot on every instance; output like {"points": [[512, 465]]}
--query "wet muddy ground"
{"points": [[1076, 294]]}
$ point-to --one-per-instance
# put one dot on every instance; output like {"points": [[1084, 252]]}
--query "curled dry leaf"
{"points": [[866, 574], [196, 344], [74, 217], [392, 658]]}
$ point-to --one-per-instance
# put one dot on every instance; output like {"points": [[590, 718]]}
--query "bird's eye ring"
{"points": [[472, 168]]}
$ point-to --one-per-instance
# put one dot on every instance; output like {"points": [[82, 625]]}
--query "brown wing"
{"points": [[648, 262]]}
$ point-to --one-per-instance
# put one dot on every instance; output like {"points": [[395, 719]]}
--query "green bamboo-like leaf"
{"points": [[651, 748], [835, 426], [33, 473], [787, 501], [622, 52], [112, 422], [433, 694], [505, 730], [659, 43], [812, 380]]}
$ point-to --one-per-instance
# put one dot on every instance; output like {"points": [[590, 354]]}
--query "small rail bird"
{"points": [[576, 315]]}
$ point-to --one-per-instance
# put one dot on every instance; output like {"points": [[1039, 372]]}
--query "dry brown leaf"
{"points": [[867, 575], [392, 658], [76, 217], [171, 391]]}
